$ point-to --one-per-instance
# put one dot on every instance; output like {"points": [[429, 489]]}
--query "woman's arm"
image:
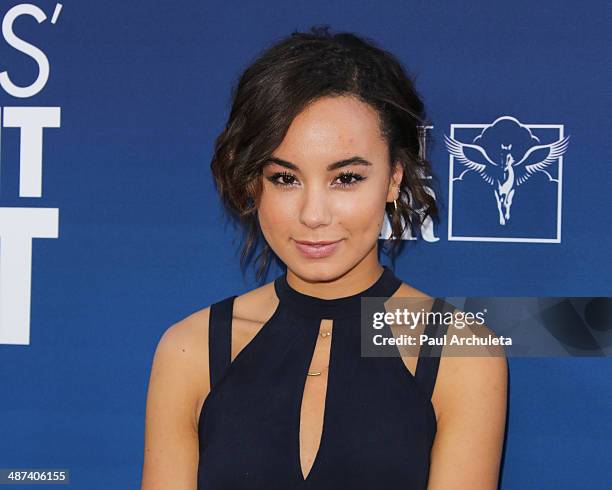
{"points": [[179, 379], [471, 396]]}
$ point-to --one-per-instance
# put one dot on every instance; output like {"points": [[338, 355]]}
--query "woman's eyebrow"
{"points": [[355, 160]]}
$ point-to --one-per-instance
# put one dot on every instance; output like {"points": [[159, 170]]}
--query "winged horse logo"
{"points": [[511, 170]]}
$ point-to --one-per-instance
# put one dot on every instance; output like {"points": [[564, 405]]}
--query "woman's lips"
{"points": [[317, 250]]}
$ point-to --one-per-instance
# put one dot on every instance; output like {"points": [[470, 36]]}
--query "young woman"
{"points": [[268, 390]]}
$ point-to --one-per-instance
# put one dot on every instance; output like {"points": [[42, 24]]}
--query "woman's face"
{"points": [[304, 200]]}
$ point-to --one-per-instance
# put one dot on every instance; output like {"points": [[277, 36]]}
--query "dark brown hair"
{"points": [[279, 84]]}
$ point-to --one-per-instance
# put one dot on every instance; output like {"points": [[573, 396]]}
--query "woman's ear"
{"points": [[397, 173]]}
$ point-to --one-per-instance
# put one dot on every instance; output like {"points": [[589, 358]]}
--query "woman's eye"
{"points": [[286, 179], [346, 179]]}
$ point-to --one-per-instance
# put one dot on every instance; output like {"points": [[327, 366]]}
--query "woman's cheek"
{"points": [[362, 216], [276, 220]]}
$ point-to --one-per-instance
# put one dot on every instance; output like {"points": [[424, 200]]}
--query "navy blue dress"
{"points": [[379, 423]]}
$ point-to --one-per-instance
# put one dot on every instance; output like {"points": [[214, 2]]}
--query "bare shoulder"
{"points": [[471, 375], [171, 442], [250, 312], [181, 356], [470, 400], [476, 374], [180, 381], [187, 339]]}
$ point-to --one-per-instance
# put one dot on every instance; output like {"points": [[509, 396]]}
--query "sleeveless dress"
{"points": [[378, 421]]}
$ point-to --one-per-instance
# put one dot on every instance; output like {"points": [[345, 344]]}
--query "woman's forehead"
{"points": [[330, 129]]}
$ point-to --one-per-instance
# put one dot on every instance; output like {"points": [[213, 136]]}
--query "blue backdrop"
{"points": [[143, 89]]}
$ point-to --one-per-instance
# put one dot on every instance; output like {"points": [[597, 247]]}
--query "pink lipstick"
{"points": [[317, 250]]}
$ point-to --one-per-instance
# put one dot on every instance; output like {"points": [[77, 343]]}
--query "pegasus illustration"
{"points": [[508, 173]]}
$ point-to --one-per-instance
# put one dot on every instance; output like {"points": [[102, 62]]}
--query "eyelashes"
{"points": [[345, 177]]}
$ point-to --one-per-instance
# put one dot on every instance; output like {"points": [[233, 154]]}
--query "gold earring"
{"points": [[395, 200]]}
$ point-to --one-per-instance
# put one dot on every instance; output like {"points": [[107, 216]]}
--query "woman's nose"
{"points": [[315, 208]]}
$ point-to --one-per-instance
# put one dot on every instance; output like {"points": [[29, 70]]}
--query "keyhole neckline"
{"points": [[313, 306]]}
